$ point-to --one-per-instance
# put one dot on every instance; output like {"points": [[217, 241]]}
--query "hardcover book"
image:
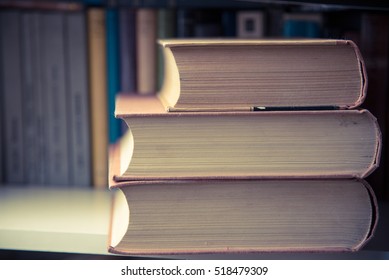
{"points": [[165, 145], [247, 74], [237, 216]]}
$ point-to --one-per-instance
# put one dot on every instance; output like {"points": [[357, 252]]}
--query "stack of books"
{"points": [[251, 146]]}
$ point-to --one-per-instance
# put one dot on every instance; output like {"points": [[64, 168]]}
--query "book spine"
{"points": [[41, 155], [127, 50], [229, 23], [31, 133], [302, 25], [76, 57], [96, 18], [113, 68], [53, 55], [146, 36], [12, 96]]}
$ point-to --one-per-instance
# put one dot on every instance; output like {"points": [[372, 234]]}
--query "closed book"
{"points": [[55, 98], [113, 70], [304, 25], [97, 55], [12, 96], [78, 99], [244, 74], [127, 48], [240, 216], [288, 144], [32, 101], [146, 48], [40, 162]]}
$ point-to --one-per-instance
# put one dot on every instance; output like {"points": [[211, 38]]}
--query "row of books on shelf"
{"points": [[279, 169], [50, 107], [45, 113]]}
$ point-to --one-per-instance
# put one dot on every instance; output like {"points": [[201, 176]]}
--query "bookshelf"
{"points": [[363, 21]]}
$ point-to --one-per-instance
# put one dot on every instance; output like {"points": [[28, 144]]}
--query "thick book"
{"points": [[236, 216], [323, 143], [237, 74]]}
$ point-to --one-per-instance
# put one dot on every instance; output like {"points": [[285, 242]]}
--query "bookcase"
{"points": [[365, 22]]}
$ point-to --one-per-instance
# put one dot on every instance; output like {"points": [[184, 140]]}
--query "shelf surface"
{"points": [[54, 219]]}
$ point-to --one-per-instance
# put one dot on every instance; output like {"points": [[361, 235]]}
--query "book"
{"points": [[241, 216], [302, 25], [55, 98], [37, 170], [146, 48], [113, 70], [127, 49], [224, 75], [78, 99], [12, 96], [98, 94], [288, 144], [32, 101], [228, 22]]}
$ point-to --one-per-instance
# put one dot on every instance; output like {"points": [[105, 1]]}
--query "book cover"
{"points": [[78, 99], [127, 49], [11, 71], [31, 98], [41, 156]]}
